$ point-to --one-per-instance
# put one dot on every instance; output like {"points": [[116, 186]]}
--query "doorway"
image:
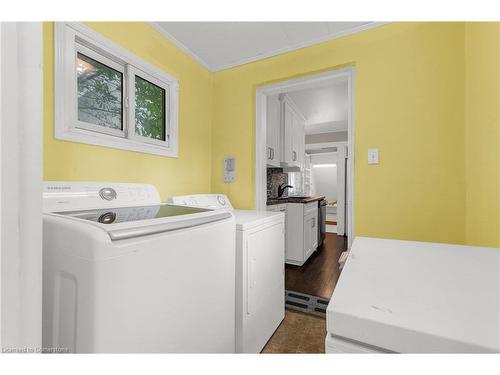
{"points": [[327, 170], [328, 177], [303, 83]]}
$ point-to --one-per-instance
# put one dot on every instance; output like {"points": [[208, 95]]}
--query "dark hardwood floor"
{"points": [[319, 275]]}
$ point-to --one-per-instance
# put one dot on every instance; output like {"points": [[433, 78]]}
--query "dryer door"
{"points": [[265, 267], [264, 300]]}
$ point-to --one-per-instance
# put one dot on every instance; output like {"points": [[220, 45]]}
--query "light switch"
{"points": [[229, 169], [373, 156]]}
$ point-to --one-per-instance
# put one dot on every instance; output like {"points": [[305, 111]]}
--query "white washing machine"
{"points": [[260, 262], [124, 273], [415, 297]]}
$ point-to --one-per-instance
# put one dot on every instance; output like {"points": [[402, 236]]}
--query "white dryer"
{"points": [[124, 273], [260, 262], [416, 297]]}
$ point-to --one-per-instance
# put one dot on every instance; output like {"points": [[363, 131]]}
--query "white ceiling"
{"points": [[221, 45], [324, 107]]}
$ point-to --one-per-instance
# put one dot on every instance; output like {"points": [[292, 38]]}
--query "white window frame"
{"points": [[71, 38]]}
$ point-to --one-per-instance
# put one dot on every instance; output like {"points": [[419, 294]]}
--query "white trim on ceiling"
{"points": [[182, 47]]}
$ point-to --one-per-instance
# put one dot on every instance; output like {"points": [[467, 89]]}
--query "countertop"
{"points": [[272, 201]]}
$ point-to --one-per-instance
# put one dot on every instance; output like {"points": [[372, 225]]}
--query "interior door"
{"points": [[341, 190], [21, 155]]}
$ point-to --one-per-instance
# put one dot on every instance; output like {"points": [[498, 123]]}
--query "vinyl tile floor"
{"points": [[298, 333]]}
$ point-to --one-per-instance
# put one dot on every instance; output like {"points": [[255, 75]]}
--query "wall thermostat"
{"points": [[373, 156], [229, 169]]}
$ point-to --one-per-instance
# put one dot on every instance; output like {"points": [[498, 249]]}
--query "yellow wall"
{"points": [[190, 173], [409, 103], [426, 95], [482, 134]]}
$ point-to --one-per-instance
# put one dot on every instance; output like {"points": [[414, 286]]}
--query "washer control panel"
{"points": [[222, 200], [211, 201], [66, 196], [107, 193]]}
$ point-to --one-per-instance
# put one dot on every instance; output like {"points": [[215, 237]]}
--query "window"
{"points": [[108, 97], [99, 94], [149, 109]]}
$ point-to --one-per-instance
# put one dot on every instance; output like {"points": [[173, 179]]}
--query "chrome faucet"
{"points": [[281, 189]]}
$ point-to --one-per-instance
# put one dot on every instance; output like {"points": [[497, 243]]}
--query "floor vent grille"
{"points": [[306, 303]]}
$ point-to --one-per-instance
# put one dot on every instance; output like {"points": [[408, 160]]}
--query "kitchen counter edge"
{"points": [[272, 201]]}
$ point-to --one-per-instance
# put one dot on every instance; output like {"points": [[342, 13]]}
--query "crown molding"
{"points": [[180, 45], [311, 42]]}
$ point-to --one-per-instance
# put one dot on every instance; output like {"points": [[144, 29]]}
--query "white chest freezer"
{"points": [[416, 297]]}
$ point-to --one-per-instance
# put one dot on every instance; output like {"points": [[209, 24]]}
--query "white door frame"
{"points": [[341, 190], [260, 133], [21, 134]]}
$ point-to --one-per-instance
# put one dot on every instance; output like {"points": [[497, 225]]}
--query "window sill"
{"points": [[104, 140]]}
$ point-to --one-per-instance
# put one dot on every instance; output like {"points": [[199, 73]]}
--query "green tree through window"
{"points": [[99, 93], [149, 109]]}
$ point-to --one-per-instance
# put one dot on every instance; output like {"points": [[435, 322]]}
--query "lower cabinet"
{"points": [[310, 234], [301, 232], [277, 208]]}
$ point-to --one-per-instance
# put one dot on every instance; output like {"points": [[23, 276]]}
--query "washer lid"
{"points": [[413, 297], [133, 213], [128, 222]]}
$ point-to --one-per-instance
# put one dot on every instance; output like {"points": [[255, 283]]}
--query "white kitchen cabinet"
{"points": [[277, 208], [302, 144], [273, 132], [285, 133], [288, 154], [310, 233], [293, 136], [301, 232], [299, 140], [308, 188]]}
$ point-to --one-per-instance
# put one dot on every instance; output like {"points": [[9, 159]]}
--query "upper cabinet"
{"points": [[285, 134], [273, 149], [293, 136], [288, 152], [299, 145]]}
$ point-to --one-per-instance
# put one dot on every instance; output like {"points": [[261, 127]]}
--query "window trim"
{"points": [[69, 36]]}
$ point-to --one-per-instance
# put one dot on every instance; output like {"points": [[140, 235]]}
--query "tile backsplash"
{"points": [[275, 177]]}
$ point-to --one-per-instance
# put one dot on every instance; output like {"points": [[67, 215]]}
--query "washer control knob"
{"points": [[107, 218], [107, 193], [221, 200]]}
